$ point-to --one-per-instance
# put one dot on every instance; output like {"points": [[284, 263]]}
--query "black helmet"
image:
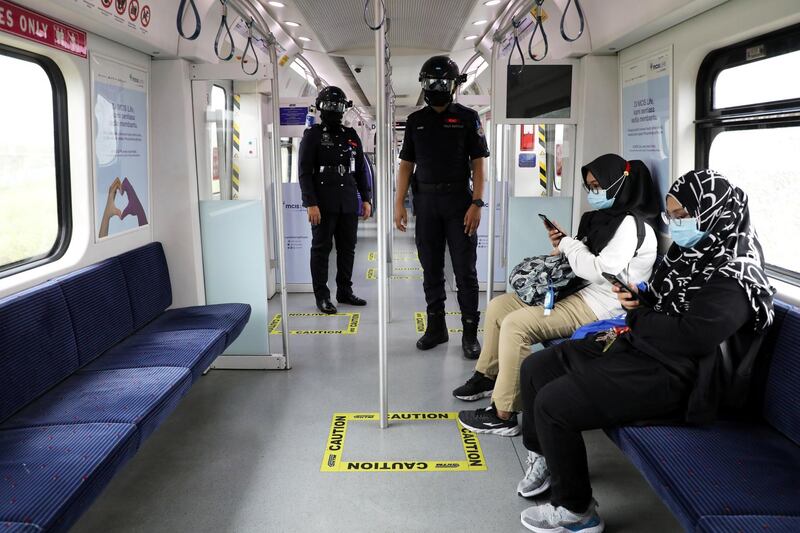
{"points": [[332, 99], [440, 73]]}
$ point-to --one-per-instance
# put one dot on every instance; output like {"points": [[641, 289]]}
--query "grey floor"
{"points": [[242, 452]]}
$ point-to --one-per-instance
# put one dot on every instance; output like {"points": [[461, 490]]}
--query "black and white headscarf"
{"points": [[730, 248]]}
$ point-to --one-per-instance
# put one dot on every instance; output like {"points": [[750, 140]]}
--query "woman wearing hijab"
{"points": [[710, 290], [616, 237]]}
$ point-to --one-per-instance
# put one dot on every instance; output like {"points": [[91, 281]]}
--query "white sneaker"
{"points": [[537, 476], [548, 519]]}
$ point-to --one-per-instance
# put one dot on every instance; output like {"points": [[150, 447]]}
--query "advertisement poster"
{"points": [[647, 114], [298, 236], [120, 143]]}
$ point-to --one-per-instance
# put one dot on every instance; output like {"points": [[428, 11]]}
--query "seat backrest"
{"points": [[37, 345], [100, 308], [781, 405], [147, 277]]}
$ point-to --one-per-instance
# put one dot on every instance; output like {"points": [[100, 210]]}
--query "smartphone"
{"points": [[549, 224], [614, 280]]}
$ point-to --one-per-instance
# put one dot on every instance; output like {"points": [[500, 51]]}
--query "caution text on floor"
{"points": [[421, 322], [473, 459], [350, 329]]}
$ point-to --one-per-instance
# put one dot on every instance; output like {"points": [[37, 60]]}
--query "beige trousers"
{"points": [[511, 327]]}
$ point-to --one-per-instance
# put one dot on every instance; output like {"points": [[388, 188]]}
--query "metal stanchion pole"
{"points": [[492, 180]]}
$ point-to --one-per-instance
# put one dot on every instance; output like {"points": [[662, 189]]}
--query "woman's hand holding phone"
{"points": [[627, 296]]}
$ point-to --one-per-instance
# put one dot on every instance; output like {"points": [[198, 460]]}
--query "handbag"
{"points": [[532, 278]]}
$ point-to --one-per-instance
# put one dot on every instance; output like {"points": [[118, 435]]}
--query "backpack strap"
{"points": [[640, 233]]}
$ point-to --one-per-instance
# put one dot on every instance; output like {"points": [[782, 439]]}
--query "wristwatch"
{"points": [[478, 202]]}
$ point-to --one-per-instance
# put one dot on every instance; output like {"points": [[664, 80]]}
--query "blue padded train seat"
{"points": [[16, 527], [141, 396], [781, 401], [194, 350], [231, 318], [49, 475], [147, 280], [37, 345], [100, 307], [748, 524], [726, 469]]}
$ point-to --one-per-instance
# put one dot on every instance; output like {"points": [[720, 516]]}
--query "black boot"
{"points": [[469, 340], [435, 332]]}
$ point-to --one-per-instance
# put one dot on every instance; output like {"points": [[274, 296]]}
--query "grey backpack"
{"points": [[534, 275]]}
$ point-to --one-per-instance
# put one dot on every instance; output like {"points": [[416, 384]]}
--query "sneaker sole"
{"points": [[538, 490], [474, 397], [560, 529], [503, 432]]}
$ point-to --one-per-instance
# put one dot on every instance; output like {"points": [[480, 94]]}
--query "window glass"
{"points": [[768, 80], [765, 163], [217, 137], [29, 217]]}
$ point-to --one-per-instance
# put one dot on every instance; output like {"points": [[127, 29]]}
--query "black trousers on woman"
{"points": [[574, 387]]}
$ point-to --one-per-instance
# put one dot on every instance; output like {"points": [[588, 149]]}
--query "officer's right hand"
{"points": [[400, 217], [314, 216]]}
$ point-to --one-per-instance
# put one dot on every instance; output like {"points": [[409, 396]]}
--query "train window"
{"points": [[217, 137], [35, 222], [748, 128]]}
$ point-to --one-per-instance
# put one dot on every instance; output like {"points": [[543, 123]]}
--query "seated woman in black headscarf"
{"points": [[615, 237], [710, 289]]}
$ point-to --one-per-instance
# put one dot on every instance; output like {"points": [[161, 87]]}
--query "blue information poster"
{"points": [[646, 109], [119, 132]]}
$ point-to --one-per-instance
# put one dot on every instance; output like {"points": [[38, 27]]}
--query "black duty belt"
{"points": [[335, 169], [451, 186]]}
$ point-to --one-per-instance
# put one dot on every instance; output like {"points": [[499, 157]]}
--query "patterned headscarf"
{"points": [[730, 248]]}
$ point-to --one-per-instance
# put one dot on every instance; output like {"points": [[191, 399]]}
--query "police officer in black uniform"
{"points": [[331, 173], [445, 142]]}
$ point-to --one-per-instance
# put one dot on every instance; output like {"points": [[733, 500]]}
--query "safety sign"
{"points": [[421, 322], [334, 447], [372, 274], [353, 320]]}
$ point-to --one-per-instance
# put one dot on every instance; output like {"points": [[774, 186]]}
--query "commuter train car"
{"points": [[399, 265]]}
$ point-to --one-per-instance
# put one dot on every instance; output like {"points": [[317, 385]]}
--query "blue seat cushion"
{"points": [[229, 317], [37, 345], [16, 527], [747, 524], [49, 475], [781, 407], [99, 306], [730, 468], [147, 279], [194, 350], [140, 396]]}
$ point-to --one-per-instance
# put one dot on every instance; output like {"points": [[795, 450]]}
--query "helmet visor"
{"points": [[438, 84], [338, 107]]}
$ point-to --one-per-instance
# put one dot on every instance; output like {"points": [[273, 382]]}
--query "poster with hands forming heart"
{"points": [[120, 143]]}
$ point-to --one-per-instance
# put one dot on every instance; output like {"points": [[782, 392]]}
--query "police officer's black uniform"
{"points": [[442, 145], [331, 172]]}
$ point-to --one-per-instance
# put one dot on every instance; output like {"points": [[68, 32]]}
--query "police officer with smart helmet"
{"points": [[444, 147], [332, 175]]}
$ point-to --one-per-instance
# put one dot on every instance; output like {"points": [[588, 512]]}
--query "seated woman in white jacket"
{"points": [[608, 240]]}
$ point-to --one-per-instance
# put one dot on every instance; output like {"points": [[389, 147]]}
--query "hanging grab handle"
{"points": [[516, 24], [251, 48], [581, 18], [223, 25], [383, 15], [539, 26], [195, 13]]}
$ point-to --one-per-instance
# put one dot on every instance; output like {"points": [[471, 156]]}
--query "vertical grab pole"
{"points": [[277, 196], [382, 192], [492, 176]]}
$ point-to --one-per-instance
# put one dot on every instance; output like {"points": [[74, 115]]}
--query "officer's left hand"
{"points": [[366, 210], [472, 220]]}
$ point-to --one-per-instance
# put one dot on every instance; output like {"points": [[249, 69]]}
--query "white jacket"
{"points": [[616, 258]]}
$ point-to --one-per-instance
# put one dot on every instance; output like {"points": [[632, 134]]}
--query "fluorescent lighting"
{"points": [[491, 3], [479, 22], [470, 37], [292, 24], [306, 39], [281, 4]]}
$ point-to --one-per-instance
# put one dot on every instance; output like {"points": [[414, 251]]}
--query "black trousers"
{"points": [[440, 221], [574, 387], [343, 228]]}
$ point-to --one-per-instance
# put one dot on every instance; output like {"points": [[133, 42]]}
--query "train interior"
{"points": [[150, 207]]}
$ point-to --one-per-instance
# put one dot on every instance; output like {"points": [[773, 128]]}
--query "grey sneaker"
{"points": [[545, 518], [537, 476]]}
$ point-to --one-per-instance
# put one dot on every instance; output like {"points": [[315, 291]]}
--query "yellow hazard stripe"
{"points": [[353, 320], [421, 322]]}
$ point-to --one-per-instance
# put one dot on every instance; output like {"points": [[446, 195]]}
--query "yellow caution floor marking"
{"points": [[421, 322], [334, 447], [398, 256], [351, 329], [372, 274]]}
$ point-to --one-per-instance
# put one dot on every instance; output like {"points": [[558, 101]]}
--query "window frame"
{"points": [[710, 122], [62, 166]]}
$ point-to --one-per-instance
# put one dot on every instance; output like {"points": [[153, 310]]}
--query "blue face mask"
{"points": [[687, 234], [600, 199]]}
